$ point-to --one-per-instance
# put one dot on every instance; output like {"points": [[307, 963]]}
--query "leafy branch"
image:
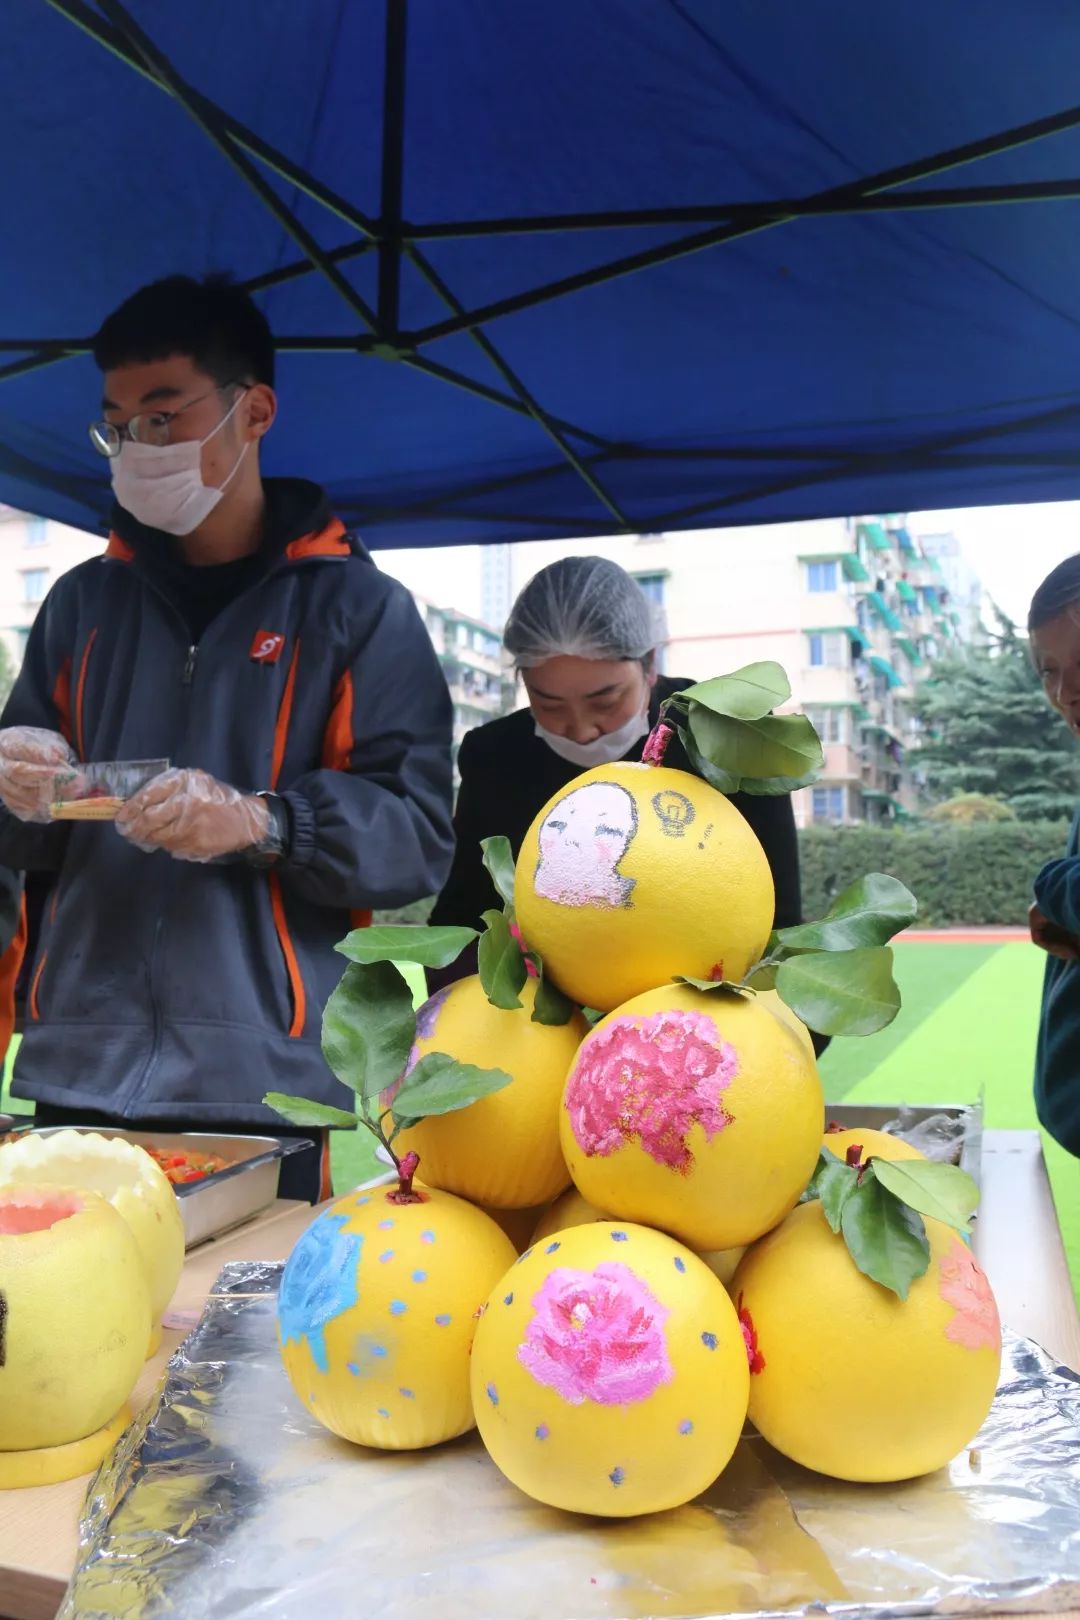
{"points": [[878, 1206], [732, 738]]}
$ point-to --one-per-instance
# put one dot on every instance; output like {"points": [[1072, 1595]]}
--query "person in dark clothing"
{"points": [[236, 629], [1054, 628], [583, 637]]}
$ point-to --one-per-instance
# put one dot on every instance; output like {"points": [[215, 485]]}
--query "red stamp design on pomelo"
{"points": [[651, 1080], [963, 1285], [749, 1333]]}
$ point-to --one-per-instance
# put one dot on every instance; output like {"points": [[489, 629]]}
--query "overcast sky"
{"points": [[1011, 548]]}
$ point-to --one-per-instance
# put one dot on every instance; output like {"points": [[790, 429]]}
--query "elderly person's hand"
{"points": [[30, 761], [193, 817], [1052, 939]]}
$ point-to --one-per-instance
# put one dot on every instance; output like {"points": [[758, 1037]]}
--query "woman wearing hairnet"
{"points": [[583, 637]]}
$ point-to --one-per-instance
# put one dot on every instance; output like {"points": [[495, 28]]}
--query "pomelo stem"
{"points": [[404, 1192], [656, 744]]}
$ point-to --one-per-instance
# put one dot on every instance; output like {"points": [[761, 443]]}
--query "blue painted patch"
{"points": [[680, 1263], [493, 1395], [709, 1340], [408, 1394], [619, 1237], [387, 1254], [379, 1350], [382, 1412], [353, 1368], [319, 1283], [522, 1257], [552, 1247], [384, 1226], [686, 1427], [617, 1476], [419, 1276], [509, 1299], [398, 1307], [427, 1237], [443, 1320], [360, 1202], [542, 1431]]}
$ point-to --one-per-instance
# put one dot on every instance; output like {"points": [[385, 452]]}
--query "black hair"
{"points": [[212, 321], [1058, 591]]}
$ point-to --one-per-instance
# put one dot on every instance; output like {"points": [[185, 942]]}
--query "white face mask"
{"points": [[603, 750], [161, 485]]}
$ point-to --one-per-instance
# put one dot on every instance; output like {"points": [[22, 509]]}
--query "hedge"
{"points": [[971, 876]]}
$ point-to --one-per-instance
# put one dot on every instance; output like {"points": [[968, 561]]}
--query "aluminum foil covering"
{"points": [[226, 1499]]}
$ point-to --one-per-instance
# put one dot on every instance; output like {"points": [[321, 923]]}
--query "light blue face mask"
{"points": [[603, 750]]}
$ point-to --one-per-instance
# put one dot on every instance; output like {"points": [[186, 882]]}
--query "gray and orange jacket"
{"points": [[168, 990]]}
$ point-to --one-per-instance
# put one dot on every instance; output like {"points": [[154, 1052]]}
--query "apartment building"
{"points": [[470, 653], [33, 554]]}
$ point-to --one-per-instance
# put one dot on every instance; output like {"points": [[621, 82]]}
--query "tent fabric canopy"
{"points": [[566, 267]]}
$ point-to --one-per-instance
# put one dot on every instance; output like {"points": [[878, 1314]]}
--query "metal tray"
{"points": [[229, 1197], [968, 1119]]}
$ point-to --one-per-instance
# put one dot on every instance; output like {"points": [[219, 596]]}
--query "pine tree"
{"points": [[989, 729]]}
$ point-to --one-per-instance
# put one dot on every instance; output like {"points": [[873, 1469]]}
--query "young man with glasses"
{"points": [[234, 628]]}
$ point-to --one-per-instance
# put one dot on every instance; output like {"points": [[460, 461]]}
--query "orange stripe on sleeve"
{"points": [[338, 739]]}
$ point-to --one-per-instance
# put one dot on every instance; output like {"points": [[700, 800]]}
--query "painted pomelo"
{"points": [[635, 873], [74, 1315], [573, 1210], [852, 1381], [874, 1144], [697, 1112], [124, 1174], [609, 1372], [518, 1224], [377, 1310], [502, 1151], [779, 1007]]}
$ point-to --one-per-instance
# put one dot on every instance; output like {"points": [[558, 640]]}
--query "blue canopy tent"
{"points": [[566, 266]]}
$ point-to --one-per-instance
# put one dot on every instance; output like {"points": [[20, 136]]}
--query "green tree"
{"points": [[990, 730]]}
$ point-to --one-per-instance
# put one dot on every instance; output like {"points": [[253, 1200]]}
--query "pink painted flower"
{"points": [[651, 1079], [597, 1336], [963, 1285]]}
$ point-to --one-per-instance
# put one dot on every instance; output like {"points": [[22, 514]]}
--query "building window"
{"points": [[35, 584], [821, 576], [827, 649], [828, 803], [652, 586], [830, 724], [37, 531]]}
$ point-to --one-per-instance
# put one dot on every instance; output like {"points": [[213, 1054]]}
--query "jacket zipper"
{"points": [[189, 665]]}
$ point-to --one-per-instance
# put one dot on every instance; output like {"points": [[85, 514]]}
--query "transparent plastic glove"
{"points": [[29, 761], [193, 817]]}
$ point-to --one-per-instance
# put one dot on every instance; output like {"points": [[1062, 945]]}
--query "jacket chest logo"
{"points": [[267, 647]]}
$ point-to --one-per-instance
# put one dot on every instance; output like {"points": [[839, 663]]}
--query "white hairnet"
{"points": [[580, 607]]}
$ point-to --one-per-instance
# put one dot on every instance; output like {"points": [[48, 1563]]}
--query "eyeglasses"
{"points": [[148, 427]]}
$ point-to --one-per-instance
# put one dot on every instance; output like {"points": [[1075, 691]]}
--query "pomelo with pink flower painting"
{"points": [[696, 1112], [610, 1372]]}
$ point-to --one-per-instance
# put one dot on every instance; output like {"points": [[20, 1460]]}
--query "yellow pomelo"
{"points": [[696, 1112], [74, 1315], [609, 1372], [635, 873], [573, 1210], [518, 1224], [503, 1150], [777, 1005], [377, 1310], [124, 1174], [873, 1144], [851, 1380]]}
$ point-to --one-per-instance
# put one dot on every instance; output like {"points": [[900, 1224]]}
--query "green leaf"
{"points": [[550, 1006], [731, 986], [723, 781], [499, 860], [943, 1191], [762, 976], [369, 1027], [841, 992], [777, 745], [869, 912], [439, 1084], [747, 694], [592, 1015], [298, 1111], [500, 963], [391, 942], [886, 1240], [833, 1183]]}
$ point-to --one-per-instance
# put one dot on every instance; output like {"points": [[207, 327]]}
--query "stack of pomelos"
{"points": [[672, 1124]]}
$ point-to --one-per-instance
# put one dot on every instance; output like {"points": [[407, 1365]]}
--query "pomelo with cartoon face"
{"points": [[699, 1113], [609, 1372], [377, 1310], [503, 1150], [850, 1380], [634, 874]]}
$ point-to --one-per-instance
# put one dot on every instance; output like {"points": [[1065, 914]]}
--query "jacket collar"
{"points": [[299, 527]]}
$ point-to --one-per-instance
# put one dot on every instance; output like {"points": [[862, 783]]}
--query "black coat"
{"points": [[508, 774]]}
